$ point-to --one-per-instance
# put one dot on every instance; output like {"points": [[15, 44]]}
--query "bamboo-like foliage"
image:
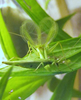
{"points": [[51, 51]]}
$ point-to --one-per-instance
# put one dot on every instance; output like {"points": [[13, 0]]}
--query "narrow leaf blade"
{"points": [[5, 40], [3, 82], [65, 88], [61, 22], [23, 86], [33, 9]]}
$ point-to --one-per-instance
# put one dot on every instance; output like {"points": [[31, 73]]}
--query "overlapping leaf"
{"points": [[33, 9], [3, 82], [62, 21], [5, 40], [72, 51], [66, 53], [65, 88], [24, 86]]}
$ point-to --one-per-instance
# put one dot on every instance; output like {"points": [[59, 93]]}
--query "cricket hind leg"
{"points": [[41, 63], [63, 58]]}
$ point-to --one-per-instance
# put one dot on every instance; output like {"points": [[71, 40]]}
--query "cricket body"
{"points": [[43, 51]]}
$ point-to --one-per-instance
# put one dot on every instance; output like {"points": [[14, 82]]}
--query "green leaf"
{"points": [[5, 40], [23, 86], [65, 88], [62, 21], [65, 48], [76, 93], [53, 70], [53, 83], [33, 9], [61, 68], [13, 19], [3, 82], [20, 71], [32, 64], [71, 50]]}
